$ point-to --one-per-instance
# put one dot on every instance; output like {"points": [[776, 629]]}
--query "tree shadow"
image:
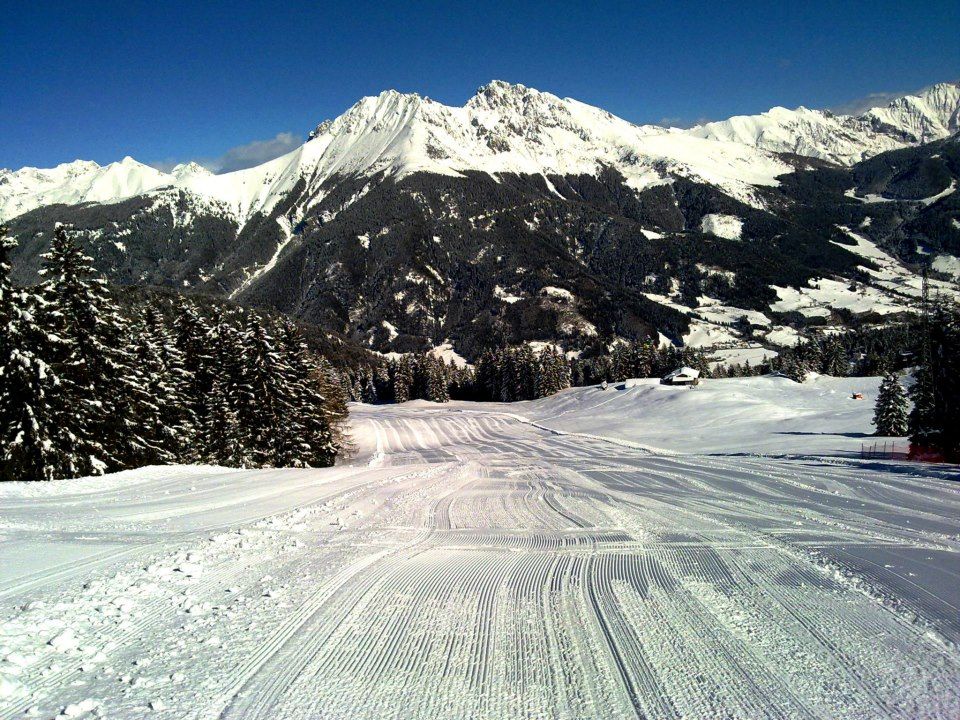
{"points": [[835, 434]]}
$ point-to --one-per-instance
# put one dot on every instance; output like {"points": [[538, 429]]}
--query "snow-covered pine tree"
{"points": [[890, 414], [437, 389], [307, 436], [548, 377], [335, 404], [403, 379], [369, 392], [948, 381], [924, 433], [220, 432], [382, 383], [834, 358], [811, 355], [484, 379], [147, 397], [527, 367], [935, 419], [795, 368], [192, 341], [178, 425], [261, 410], [95, 367], [35, 440]]}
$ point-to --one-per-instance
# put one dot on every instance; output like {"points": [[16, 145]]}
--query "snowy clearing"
{"points": [[471, 562]]}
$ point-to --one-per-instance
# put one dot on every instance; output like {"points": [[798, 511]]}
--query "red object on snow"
{"points": [[922, 453]]}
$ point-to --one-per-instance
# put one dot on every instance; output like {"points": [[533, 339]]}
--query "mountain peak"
{"points": [[512, 128], [189, 169], [502, 87]]}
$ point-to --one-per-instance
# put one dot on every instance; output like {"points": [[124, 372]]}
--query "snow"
{"points": [[940, 195], [504, 561], [825, 294], [558, 293], [782, 335], [75, 182], [929, 115], [287, 235], [725, 226], [679, 372], [763, 414], [716, 312], [507, 128], [948, 264], [501, 294], [503, 129], [391, 330], [702, 334], [892, 276], [448, 354], [751, 353]]}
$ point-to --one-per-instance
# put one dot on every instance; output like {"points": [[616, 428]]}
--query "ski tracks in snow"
{"points": [[479, 566]]}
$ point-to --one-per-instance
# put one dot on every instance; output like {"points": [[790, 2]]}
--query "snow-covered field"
{"points": [[474, 561]]}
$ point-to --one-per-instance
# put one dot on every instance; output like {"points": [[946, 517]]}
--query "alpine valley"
{"points": [[406, 224]]}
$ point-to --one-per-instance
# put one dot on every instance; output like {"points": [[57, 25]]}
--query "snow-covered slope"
{"points": [[467, 564], [735, 415], [932, 114], [76, 182]]}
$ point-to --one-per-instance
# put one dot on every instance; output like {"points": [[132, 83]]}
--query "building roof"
{"points": [[682, 372]]}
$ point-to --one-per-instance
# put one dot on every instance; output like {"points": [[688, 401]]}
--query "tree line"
{"points": [[501, 375], [87, 389]]}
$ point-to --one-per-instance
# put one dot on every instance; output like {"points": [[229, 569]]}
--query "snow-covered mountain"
{"points": [[406, 224], [932, 114], [508, 128], [503, 129]]}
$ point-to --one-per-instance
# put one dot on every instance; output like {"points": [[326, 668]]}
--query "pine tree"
{"points": [[149, 392], [935, 419], [309, 436], [834, 358], [890, 415], [261, 410], [220, 432], [193, 343], [369, 394], [169, 390], [382, 384], [795, 368], [436, 379], [95, 367], [35, 440], [403, 379]]}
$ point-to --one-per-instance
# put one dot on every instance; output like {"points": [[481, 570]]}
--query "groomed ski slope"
{"points": [[468, 563]]}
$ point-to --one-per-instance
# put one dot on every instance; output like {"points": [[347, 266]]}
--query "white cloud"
{"points": [[256, 152], [681, 122], [862, 104], [242, 156]]}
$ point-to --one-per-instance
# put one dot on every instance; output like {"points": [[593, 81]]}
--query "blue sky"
{"points": [[234, 82]]}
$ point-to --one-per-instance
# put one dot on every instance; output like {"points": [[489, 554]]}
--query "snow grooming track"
{"points": [[471, 564]]}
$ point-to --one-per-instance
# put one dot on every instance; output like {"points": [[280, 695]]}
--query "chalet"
{"points": [[682, 376]]}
